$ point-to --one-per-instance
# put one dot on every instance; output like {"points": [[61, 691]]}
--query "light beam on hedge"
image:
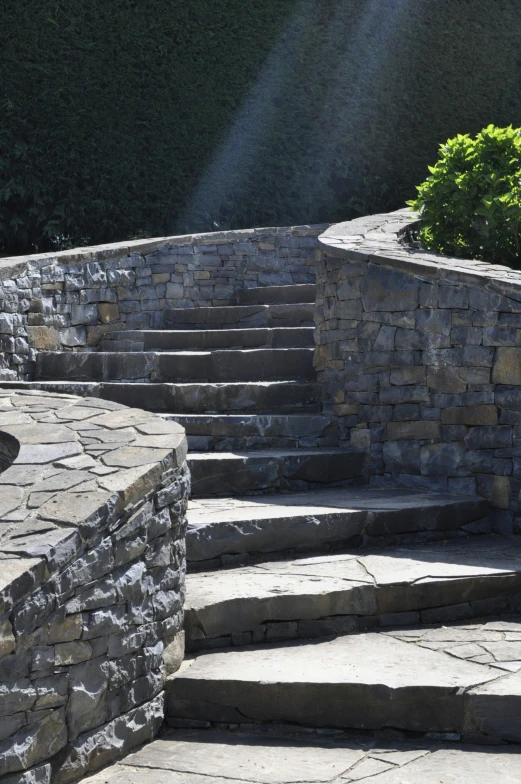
{"points": [[243, 145], [245, 138], [380, 22]]}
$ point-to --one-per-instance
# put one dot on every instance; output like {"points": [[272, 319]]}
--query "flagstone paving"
{"points": [[204, 756]]}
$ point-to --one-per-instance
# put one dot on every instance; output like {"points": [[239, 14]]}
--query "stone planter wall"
{"points": [[419, 356], [67, 301], [92, 566]]}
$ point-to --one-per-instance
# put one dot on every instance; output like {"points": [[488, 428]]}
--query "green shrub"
{"points": [[471, 203]]}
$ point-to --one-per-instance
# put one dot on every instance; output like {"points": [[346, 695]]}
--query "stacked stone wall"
{"points": [[92, 568], [67, 301], [419, 356]]}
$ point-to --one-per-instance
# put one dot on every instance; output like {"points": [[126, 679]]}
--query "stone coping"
{"points": [[11, 266], [379, 239], [78, 464]]}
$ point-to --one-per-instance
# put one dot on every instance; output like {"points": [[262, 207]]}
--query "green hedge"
{"points": [[125, 118]]}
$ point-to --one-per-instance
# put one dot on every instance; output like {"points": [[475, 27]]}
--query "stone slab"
{"points": [[185, 756], [179, 339], [293, 315], [371, 681], [261, 425], [396, 580], [194, 398], [264, 295], [257, 364], [243, 472], [284, 521]]}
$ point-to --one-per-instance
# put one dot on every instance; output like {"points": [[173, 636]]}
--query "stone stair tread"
{"points": [[235, 364], [269, 523], [409, 678], [242, 472], [256, 315], [189, 352], [227, 424], [231, 432], [418, 580], [277, 396], [191, 756], [167, 339], [338, 498], [263, 453], [293, 293]]}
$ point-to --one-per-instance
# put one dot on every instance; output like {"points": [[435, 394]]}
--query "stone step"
{"points": [[259, 364], [229, 432], [274, 397], [282, 755], [297, 315], [239, 473], [355, 591], [462, 679], [179, 339], [234, 530], [268, 295]]}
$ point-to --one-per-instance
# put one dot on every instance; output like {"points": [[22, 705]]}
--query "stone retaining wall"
{"points": [[67, 301], [92, 566], [419, 356]]}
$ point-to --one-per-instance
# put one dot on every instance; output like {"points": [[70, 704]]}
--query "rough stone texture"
{"points": [[418, 357], [223, 529], [258, 364], [68, 301], [193, 398], [92, 564], [350, 592], [461, 679], [225, 473], [277, 757]]}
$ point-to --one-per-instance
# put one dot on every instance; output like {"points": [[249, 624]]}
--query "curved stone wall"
{"points": [[419, 356], [67, 301], [92, 565]]}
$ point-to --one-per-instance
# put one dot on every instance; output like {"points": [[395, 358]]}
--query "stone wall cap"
{"points": [[70, 466], [13, 266], [380, 239]]}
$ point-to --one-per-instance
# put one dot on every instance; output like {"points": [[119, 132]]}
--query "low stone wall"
{"points": [[92, 566], [419, 356], [67, 301]]}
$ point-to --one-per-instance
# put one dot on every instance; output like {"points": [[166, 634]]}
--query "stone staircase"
{"points": [[240, 379], [314, 600]]}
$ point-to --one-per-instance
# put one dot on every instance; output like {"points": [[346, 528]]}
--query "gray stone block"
{"points": [[388, 290], [443, 460], [402, 457]]}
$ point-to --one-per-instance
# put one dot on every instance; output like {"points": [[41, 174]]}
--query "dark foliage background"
{"points": [[128, 118]]}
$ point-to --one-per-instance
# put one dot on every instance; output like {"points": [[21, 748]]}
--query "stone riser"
{"points": [[238, 474], [354, 591], [275, 425], [177, 340], [226, 433], [224, 444], [334, 625], [337, 547], [395, 679], [275, 397], [234, 365], [423, 710], [267, 295], [299, 315]]}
